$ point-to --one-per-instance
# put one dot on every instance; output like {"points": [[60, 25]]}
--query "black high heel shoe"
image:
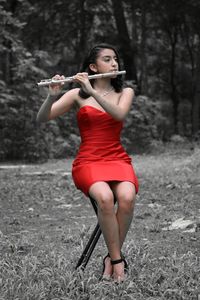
{"points": [[105, 276]]}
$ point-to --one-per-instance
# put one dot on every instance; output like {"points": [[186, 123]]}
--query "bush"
{"points": [[143, 125]]}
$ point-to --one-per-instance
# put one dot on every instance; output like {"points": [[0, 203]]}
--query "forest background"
{"points": [[159, 42]]}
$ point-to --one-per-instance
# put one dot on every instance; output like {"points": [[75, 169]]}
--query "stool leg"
{"points": [[94, 204], [87, 252]]}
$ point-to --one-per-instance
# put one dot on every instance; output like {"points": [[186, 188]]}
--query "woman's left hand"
{"points": [[82, 79]]}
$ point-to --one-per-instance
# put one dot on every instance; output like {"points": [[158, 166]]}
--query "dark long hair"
{"points": [[91, 58]]}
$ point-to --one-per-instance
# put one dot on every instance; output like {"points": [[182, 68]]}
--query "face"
{"points": [[106, 62]]}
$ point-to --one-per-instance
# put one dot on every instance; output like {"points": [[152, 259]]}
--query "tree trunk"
{"points": [[128, 53], [6, 64], [82, 31], [143, 78], [196, 98], [174, 95], [7, 56]]}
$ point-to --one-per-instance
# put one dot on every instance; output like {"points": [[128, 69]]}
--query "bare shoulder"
{"points": [[127, 94], [128, 91]]}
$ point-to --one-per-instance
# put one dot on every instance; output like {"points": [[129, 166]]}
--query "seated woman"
{"points": [[102, 169]]}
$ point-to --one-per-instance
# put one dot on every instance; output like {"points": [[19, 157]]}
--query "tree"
{"points": [[160, 50], [128, 52], [196, 99], [194, 11]]}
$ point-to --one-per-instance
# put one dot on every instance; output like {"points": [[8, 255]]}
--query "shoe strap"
{"points": [[117, 261]]}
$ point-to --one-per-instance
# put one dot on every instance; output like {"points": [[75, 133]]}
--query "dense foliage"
{"points": [[159, 49]]}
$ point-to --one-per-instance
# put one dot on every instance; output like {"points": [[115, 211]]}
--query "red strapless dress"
{"points": [[101, 156]]}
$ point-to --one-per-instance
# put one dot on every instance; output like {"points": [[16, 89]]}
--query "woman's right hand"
{"points": [[55, 88], [82, 79]]}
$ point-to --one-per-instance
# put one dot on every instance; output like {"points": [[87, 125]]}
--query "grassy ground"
{"points": [[45, 223]]}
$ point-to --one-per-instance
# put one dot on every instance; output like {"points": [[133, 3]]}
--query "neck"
{"points": [[102, 84]]}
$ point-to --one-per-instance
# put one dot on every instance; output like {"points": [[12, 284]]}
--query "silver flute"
{"points": [[46, 82]]}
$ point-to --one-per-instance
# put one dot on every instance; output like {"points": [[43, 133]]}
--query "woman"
{"points": [[102, 169]]}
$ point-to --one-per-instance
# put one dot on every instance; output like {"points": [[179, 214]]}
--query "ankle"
{"points": [[116, 261]]}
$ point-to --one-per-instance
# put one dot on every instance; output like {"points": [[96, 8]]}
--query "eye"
{"points": [[107, 59]]}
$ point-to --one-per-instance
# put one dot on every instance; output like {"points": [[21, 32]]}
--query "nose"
{"points": [[114, 62]]}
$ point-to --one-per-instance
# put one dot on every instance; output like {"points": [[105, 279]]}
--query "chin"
{"points": [[113, 76]]}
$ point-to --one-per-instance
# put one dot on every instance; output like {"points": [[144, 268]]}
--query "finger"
{"points": [[77, 74], [56, 77], [83, 74], [62, 78], [57, 85], [78, 77]]}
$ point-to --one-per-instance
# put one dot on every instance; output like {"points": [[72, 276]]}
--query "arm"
{"points": [[51, 109], [45, 109], [120, 110], [63, 104]]}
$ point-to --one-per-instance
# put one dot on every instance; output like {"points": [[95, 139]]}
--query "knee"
{"points": [[106, 202], [126, 202]]}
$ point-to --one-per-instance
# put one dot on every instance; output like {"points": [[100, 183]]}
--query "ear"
{"points": [[93, 68]]}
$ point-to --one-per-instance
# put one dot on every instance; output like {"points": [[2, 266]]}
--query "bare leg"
{"points": [[114, 226], [103, 194], [125, 194]]}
